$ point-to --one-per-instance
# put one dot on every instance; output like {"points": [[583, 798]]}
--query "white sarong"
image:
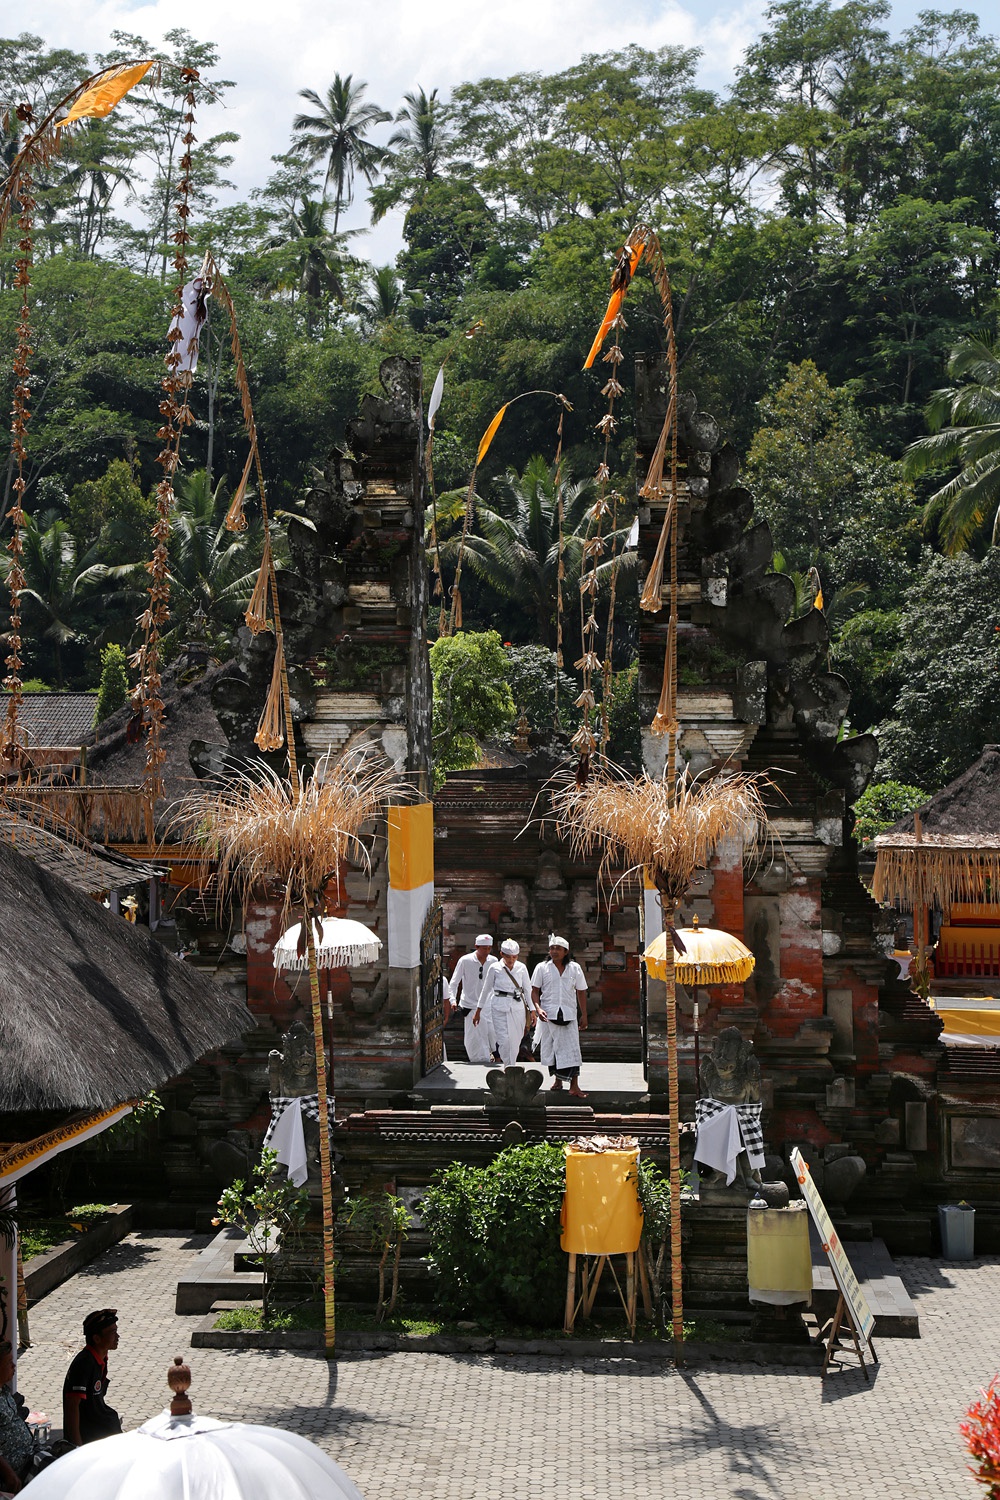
{"points": [[508, 1024], [479, 1040], [560, 1045]]}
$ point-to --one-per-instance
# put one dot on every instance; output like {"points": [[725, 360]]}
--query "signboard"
{"points": [[847, 1283]]}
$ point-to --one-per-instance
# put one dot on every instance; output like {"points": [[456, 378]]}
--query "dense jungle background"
{"points": [[830, 224]]}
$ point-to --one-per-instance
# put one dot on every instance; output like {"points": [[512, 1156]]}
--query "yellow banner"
{"points": [[411, 846], [109, 90]]}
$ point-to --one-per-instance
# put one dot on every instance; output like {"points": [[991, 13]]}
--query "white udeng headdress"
{"points": [[483, 941], [558, 942], [509, 946]]}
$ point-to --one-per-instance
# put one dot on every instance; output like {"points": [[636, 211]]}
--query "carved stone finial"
{"points": [[179, 1380], [522, 730], [514, 1087]]}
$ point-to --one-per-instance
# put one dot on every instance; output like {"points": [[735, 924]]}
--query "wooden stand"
{"points": [[842, 1316], [591, 1271]]}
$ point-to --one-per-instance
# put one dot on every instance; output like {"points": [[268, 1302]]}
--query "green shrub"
{"points": [[882, 805], [494, 1235], [113, 692]]}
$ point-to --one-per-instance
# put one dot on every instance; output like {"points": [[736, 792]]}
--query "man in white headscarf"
{"points": [[559, 994], [467, 983], [506, 1000]]}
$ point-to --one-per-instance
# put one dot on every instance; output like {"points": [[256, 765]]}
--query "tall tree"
{"points": [[418, 152], [970, 501], [339, 132]]}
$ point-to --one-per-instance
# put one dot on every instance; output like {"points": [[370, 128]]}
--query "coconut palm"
{"points": [[418, 151], [98, 163], [58, 583], [382, 297], [338, 132], [971, 440], [514, 545], [315, 254]]}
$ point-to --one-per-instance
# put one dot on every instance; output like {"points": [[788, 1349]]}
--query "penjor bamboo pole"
{"points": [[323, 1103]]}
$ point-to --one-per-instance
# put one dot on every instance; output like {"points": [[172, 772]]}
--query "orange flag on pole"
{"points": [[100, 99], [490, 434], [615, 304]]}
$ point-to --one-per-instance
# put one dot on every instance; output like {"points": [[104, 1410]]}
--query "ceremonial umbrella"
{"points": [[709, 956], [186, 1457], [340, 944], [706, 955]]}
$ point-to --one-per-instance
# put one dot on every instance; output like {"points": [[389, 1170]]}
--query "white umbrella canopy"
{"points": [[196, 1458], [340, 944]]}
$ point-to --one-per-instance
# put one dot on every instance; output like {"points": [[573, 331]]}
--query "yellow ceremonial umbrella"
{"points": [[710, 956]]}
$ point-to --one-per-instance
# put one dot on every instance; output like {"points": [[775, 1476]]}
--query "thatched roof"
{"points": [[55, 720], [957, 854], [86, 867], [93, 1011], [963, 815]]}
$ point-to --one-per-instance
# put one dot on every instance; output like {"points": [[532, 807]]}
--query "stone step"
{"points": [[895, 1312], [212, 1278]]}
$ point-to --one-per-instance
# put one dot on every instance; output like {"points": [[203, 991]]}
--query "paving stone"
{"points": [[416, 1426]]}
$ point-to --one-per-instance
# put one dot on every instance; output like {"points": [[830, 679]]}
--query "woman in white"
{"points": [[558, 990], [506, 1001], [467, 984]]}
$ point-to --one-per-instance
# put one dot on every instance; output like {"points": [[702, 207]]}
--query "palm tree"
{"points": [[57, 581], [515, 544], [418, 150], [315, 253], [972, 440], [339, 131], [98, 166], [382, 297], [212, 570]]}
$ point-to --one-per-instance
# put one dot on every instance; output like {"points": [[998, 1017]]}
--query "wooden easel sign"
{"points": [[852, 1305]]}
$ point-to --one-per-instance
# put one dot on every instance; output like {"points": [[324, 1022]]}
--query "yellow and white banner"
{"points": [[411, 880]]}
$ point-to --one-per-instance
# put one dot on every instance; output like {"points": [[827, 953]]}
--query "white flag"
{"points": [[435, 401]]}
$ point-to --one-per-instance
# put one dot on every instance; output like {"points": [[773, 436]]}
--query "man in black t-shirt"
{"points": [[86, 1413]]}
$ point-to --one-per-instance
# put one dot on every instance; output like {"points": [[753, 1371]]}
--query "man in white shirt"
{"points": [[467, 982], [506, 1002], [558, 991]]}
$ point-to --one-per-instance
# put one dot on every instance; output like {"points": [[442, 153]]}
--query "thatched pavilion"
{"points": [[946, 856], [94, 1013]]}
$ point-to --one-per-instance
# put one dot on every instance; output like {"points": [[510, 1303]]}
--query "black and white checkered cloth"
{"points": [[310, 1110], [748, 1116]]}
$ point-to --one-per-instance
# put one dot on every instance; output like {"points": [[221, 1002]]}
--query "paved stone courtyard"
{"points": [[495, 1427]]}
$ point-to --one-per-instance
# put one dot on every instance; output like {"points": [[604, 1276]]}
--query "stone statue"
{"points": [[731, 1075], [731, 1072], [292, 1075]]}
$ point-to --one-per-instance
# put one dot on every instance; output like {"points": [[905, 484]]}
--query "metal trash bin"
{"points": [[958, 1230]]}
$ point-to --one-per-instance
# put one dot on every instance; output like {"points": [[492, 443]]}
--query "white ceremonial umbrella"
{"points": [[340, 944], [196, 1458]]}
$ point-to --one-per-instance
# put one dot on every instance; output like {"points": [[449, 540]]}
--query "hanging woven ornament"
{"points": [[269, 735], [256, 612], [235, 519]]}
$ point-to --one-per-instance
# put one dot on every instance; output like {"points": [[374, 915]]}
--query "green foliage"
{"points": [[38, 1236], [531, 672], [251, 1319], [494, 1234], [472, 697], [86, 1215], [625, 743], [386, 1220], [866, 652], [268, 1208], [113, 691], [882, 805], [949, 665]]}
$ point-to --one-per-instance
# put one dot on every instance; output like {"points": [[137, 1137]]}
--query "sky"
{"points": [[273, 48]]}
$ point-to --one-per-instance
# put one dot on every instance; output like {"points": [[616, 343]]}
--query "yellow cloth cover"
{"points": [[984, 1023], [601, 1213], [778, 1255]]}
